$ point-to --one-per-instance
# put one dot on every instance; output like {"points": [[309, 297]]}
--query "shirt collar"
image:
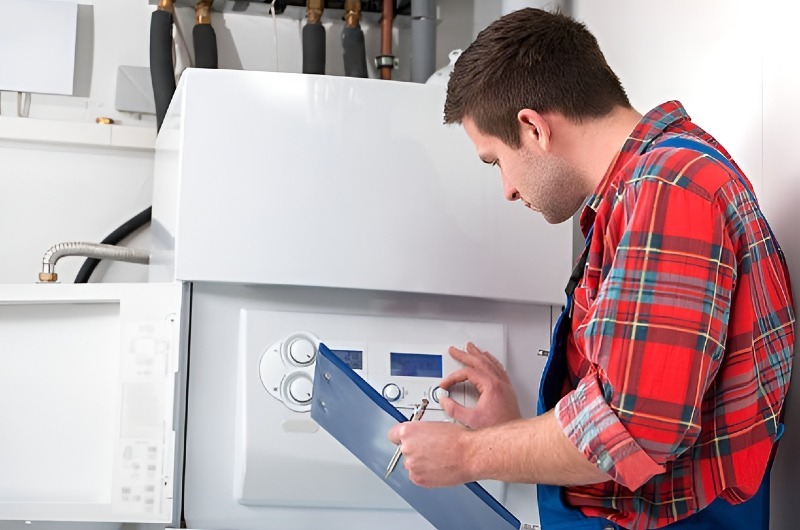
{"points": [[652, 124]]}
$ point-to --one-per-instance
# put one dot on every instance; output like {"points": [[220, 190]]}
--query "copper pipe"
{"points": [[202, 12], [167, 5], [386, 36], [352, 13], [314, 10]]}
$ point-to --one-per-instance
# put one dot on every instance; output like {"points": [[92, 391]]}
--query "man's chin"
{"points": [[554, 219]]}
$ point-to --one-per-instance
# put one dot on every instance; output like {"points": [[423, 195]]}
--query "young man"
{"points": [[661, 401]]}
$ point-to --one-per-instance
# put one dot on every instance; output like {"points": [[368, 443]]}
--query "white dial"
{"points": [[438, 393], [300, 389], [302, 351], [391, 392]]}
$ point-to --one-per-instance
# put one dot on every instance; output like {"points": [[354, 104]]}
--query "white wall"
{"points": [[733, 65], [75, 187]]}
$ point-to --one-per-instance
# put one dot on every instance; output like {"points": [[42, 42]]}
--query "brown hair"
{"points": [[531, 59]]}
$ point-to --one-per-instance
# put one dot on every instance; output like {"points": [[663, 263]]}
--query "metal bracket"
{"points": [[387, 61]]}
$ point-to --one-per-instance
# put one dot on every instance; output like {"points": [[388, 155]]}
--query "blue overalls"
{"points": [[554, 513]]}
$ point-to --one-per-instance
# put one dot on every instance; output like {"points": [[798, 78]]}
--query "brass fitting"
{"points": [[48, 277], [352, 13], [167, 5], [102, 120], [202, 12], [314, 10]]}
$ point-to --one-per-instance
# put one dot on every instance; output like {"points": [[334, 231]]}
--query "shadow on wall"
{"points": [[84, 52], [786, 468]]}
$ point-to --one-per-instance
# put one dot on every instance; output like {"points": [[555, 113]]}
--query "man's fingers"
{"points": [[395, 433], [459, 376], [456, 411]]}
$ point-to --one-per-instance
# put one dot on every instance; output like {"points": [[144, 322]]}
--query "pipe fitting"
{"points": [[314, 9], [352, 13], [202, 12], [167, 5], [87, 250]]}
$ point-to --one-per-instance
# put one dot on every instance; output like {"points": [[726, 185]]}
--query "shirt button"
{"points": [[610, 527]]}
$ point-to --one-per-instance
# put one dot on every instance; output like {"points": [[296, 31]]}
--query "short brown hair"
{"points": [[531, 59]]}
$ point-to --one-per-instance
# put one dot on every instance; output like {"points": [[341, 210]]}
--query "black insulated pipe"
{"points": [[314, 48], [353, 49], [204, 37], [205, 46], [162, 71], [314, 38], [355, 54]]}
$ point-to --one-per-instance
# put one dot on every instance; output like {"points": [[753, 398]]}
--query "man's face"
{"points": [[544, 182]]}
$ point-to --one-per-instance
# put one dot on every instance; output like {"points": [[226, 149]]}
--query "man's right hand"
{"points": [[497, 402]]}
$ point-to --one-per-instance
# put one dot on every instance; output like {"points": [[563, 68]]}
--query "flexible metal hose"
{"points": [[89, 250]]}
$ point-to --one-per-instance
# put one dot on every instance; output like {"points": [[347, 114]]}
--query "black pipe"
{"points": [[205, 46], [355, 54], [114, 238], [162, 71], [314, 48]]}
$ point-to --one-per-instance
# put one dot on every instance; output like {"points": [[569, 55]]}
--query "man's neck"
{"points": [[592, 145]]}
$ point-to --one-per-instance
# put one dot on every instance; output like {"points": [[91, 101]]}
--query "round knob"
{"points": [[300, 390], [302, 351], [391, 392], [438, 393]]}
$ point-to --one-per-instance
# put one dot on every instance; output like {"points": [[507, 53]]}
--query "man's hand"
{"points": [[497, 402], [434, 453]]}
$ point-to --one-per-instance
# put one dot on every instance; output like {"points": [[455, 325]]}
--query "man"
{"points": [[662, 398]]}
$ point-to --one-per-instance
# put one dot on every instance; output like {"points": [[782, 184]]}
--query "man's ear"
{"points": [[534, 129]]}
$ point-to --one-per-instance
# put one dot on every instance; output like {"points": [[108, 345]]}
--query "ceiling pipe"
{"points": [[423, 40], [353, 49], [385, 61], [204, 37], [314, 39]]}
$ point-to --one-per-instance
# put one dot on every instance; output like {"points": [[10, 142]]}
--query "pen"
{"points": [[419, 410]]}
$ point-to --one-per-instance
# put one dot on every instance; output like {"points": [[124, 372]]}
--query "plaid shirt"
{"points": [[682, 343]]}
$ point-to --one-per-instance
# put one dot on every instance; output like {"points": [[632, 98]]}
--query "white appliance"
{"points": [[292, 209]]}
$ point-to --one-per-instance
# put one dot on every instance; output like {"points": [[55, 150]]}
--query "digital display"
{"points": [[416, 364], [352, 358]]}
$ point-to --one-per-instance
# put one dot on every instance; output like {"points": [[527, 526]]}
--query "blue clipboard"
{"points": [[359, 417]]}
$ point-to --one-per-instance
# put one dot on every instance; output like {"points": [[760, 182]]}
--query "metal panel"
{"points": [[91, 402], [336, 182]]}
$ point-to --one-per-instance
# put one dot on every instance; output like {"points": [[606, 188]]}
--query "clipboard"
{"points": [[359, 417]]}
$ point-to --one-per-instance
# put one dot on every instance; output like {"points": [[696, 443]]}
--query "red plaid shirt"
{"points": [[683, 334]]}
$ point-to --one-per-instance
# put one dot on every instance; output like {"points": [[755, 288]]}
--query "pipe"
{"points": [[353, 49], [385, 61], [204, 36], [92, 250], [126, 229], [314, 39], [423, 40], [162, 71]]}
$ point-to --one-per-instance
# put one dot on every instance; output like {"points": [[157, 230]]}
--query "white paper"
{"points": [[37, 46]]}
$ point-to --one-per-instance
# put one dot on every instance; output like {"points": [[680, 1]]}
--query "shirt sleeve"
{"points": [[654, 335]]}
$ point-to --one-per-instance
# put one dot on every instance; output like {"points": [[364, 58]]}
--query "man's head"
{"points": [[525, 80]]}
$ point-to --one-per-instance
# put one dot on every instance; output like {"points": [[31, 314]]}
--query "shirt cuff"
{"points": [[591, 425]]}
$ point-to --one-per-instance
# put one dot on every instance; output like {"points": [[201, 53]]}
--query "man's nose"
{"points": [[509, 191]]}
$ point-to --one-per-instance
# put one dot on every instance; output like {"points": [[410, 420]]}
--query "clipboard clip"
{"points": [[416, 415]]}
